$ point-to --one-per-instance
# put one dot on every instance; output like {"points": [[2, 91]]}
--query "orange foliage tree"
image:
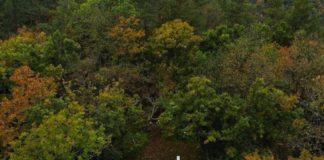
{"points": [[127, 37], [301, 66], [29, 90]]}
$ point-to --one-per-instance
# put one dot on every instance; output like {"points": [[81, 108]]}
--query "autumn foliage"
{"points": [[29, 89], [126, 37], [152, 79]]}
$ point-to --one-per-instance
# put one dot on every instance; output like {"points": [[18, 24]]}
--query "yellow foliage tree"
{"points": [[126, 37], [173, 35]]}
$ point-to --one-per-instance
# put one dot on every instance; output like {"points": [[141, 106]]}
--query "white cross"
{"points": [[178, 157]]}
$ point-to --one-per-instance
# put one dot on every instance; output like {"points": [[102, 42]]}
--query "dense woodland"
{"points": [[152, 79]]}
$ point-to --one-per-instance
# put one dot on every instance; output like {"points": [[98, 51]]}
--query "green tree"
{"points": [[238, 12], [155, 13], [199, 115], [282, 33], [62, 51], [216, 39], [15, 14], [20, 50], [275, 10], [229, 126], [63, 18], [304, 15], [87, 22], [215, 43], [41, 110], [123, 119], [273, 118], [66, 135], [275, 15]]}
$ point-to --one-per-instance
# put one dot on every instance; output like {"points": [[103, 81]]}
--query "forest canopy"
{"points": [[152, 80]]}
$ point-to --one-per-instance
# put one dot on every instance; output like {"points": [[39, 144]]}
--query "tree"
{"points": [[229, 126], [247, 61], [61, 51], [275, 10], [282, 33], [215, 43], [23, 49], [66, 135], [86, 22], [15, 14], [174, 47], [300, 66], [199, 115], [18, 51], [300, 72], [155, 13], [38, 51], [126, 38], [63, 18], [216, 39], [275, 15], [173, 38], [29, 90], [273, 118], [304, 15], [238, 12], [123, 119]]}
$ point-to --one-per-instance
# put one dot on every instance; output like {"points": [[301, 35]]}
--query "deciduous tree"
{"points": [[127, 39], [67, 135], [121, 118], [29, 90]]}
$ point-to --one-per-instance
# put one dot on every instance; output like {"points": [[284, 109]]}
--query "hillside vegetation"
{"points": [[153, 79]]}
